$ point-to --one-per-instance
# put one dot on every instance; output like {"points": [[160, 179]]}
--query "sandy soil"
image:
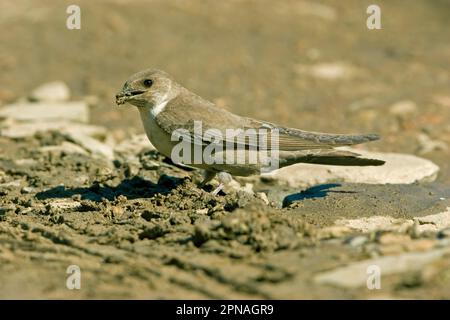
{"points": [[144, 230]]}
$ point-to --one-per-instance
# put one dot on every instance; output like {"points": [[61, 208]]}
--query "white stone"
{"points": [[375, 223], [23, 130], [355, 275], [47, 111], [434, 222], [133, 146], [398, 169], [403, 108], [64, 204], [426, 144], [51, 91], [64, 148], [94, 146], [328, 71]]}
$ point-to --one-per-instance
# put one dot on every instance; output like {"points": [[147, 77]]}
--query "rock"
{"points": [[356, 274], [134, 146], [51, 91], [426, 144], [333, 232], [23, 130], [393, 238], [357, 241], [94, 146], [64, 148], [420, 245], [433, 222], [26, 162], [263, 197], [47, 111], [328, 71], [236, 186], [403, 108], [398, 169], [64, 204], [27, 190], [11, 185], [376, 223]]}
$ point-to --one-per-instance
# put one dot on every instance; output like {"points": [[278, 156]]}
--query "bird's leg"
{"points": [[208, 176], [224, 178]]}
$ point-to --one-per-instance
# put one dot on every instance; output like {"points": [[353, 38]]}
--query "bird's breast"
{"points": [[160, 139]]}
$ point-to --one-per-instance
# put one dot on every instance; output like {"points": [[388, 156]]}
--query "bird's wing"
{"points": [[206, 123]]}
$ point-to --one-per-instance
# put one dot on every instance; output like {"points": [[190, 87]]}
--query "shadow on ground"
{"points": [[133, 188]]}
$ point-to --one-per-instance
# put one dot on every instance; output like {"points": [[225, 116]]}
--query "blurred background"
{"points": [[307, 64]]}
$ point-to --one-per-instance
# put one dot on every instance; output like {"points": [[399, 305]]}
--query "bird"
{"points": [[171, 116]]}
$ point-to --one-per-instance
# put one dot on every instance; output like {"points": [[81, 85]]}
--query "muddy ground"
{"points": [[144, 230]]}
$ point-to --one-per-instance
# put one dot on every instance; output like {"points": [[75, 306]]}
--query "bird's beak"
{"points": [[125, 95]]}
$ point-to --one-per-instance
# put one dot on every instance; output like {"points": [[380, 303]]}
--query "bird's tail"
{"points": [[326, 156]]}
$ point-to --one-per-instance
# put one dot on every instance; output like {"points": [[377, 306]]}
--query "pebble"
{"points": [[51, 91], [64, 148], [328, 71], [357, 241], [333, 232], [263, 197], [403, 108], [94, 146], [134, 146], [427, 145]]}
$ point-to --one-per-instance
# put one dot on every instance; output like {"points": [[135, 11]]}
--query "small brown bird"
{"points": [[171, 113]]}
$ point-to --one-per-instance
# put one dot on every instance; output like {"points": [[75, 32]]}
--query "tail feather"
{"points": [[328, 157]]}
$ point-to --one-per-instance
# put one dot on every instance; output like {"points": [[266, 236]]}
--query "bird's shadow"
{"points": [[319, 191], [133, 188]]}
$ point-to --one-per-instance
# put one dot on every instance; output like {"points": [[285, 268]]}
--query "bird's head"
{"points": [[147, 88]]}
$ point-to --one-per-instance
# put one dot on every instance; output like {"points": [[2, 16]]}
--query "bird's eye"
{"points": [[148, 83]]}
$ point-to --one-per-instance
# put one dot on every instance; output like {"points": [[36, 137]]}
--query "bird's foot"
{"points": [[216, 191]]}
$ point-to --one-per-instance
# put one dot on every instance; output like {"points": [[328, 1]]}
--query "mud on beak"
{"points": [[124, 96]]}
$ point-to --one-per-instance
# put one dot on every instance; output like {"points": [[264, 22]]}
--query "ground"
{"points": [[142, 229]]}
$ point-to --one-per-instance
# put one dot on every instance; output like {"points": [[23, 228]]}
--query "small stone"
{"points": [[420, 245], [357, 241], [48, 111], [51, 91], [427, 145], [27, 190], [23, 130], [328, 71], [403, 108], [64, 148], [392, 238], [11, 185], [117, 212], [150, 164], [135, 145], [434, 222], [333, 232], [94, 146], [202, 211], [263, 197], [64, 204]]}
